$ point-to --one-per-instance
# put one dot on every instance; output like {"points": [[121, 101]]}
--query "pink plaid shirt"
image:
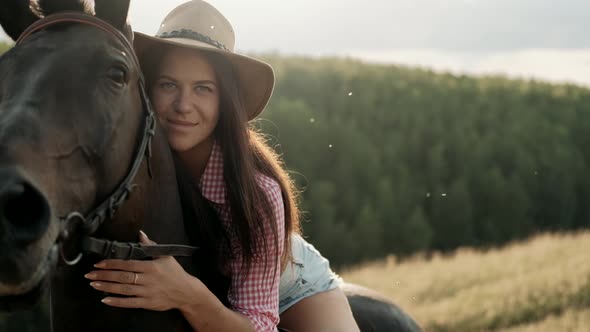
{"points": [[256, 295]]}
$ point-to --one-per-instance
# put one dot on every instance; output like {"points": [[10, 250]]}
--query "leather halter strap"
{"points": [[80, 18], [89, 223], [132, 250]]}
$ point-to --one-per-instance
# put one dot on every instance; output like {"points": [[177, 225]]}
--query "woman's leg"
{"points": [[322, 312], [310, 296]]}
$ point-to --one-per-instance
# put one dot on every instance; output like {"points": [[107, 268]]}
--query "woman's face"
{"points": [[185, 96]]}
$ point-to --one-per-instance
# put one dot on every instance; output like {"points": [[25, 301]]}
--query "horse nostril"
{"points": [[23, 210]]}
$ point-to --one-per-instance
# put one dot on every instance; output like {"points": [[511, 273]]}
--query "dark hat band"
{"points": [[190, 34]]}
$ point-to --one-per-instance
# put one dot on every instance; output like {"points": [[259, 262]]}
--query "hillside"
{"points": [[395, 160], [399, 160]]}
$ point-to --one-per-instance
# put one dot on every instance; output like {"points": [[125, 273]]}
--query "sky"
{"points": [[543, 39]]}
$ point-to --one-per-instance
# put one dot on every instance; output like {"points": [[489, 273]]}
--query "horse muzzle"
{"points": [[24, 211], [27, 236]]}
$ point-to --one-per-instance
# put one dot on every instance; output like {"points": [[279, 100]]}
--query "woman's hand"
{"points": [[160, 284]]}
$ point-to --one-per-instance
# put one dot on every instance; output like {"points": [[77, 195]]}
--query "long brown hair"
{"points": [[246, 155]]}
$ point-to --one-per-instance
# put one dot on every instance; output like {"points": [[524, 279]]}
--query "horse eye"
{"points": [[117, 75]]}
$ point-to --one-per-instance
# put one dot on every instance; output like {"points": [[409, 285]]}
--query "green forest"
{"points": [[396, 160]]}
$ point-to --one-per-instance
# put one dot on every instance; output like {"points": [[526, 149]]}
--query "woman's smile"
{"points": [[180, 123]]}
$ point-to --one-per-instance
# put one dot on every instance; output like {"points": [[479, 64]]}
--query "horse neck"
{"points": [[154, 206]]}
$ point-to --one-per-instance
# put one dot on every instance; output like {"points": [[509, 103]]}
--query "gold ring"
{"points": [[135, 278]]}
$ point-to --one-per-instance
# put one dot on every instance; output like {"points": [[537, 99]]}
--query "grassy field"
{"points": [[542, 284]]}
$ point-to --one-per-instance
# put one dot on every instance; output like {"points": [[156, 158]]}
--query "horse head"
{"points": [[73, 134]]}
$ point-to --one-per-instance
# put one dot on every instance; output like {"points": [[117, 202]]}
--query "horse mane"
{"points": [[48, 7]]}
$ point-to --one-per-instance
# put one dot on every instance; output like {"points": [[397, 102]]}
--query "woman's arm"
{"points": [[255, 294], [215, 317], [162, 284]]}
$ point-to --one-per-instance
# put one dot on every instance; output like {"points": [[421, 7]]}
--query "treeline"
{"points": [[398, 160]]}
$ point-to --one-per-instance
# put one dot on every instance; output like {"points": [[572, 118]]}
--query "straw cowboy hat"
{"points": [[197, 24]]}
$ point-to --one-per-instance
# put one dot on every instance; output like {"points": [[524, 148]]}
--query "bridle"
{"points": [[89, 223]]}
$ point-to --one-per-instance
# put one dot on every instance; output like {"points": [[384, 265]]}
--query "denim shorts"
{"points": [[307, 274]]}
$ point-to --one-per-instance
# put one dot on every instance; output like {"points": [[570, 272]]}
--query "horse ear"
{"points": [[112, 11], [16, 16]]}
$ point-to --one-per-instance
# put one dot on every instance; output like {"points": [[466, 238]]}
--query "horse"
{"points": [[82, 166], [76, 134]]}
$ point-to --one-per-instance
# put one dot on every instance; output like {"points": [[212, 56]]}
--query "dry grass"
{"points": [[569, 321], [542, 284]]}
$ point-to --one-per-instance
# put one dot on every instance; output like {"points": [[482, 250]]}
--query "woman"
{"points": [[204, 94]]}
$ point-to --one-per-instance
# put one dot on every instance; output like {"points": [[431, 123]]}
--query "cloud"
{"points": [[311, 26], [531, 38], [308, 26], [555, 65]]}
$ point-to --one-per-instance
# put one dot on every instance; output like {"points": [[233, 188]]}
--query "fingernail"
{"points": [[106, 300], [95, 284], [100, 264], [90, 276]]}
